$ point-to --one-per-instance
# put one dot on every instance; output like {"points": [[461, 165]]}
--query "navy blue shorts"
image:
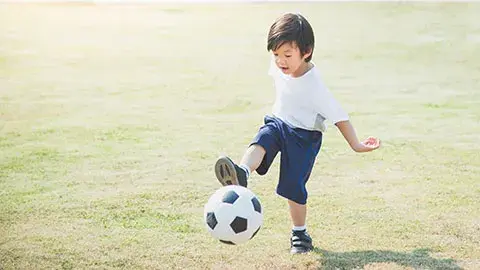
{"points": [[299, 149]]}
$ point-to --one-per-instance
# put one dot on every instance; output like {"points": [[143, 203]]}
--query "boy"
{"points": [[295, 129]]}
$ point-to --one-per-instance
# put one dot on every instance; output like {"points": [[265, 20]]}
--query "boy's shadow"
{"points": [[417, 259]]}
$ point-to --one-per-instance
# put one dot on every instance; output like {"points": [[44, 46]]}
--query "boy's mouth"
{"points": [[284, 69]]}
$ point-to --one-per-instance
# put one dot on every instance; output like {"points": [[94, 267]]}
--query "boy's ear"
{"points": [[307, 53]]}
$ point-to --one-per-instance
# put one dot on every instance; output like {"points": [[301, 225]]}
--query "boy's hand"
{"points": [[370, 144]]}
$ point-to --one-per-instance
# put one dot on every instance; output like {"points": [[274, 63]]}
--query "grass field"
{"points": [[111, 117]]}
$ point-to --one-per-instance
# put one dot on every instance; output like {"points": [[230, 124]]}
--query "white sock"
{"points": [[246, 169], [299, 228]]}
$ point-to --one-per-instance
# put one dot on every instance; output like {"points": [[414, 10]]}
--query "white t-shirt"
{"points": [[304, 102]]}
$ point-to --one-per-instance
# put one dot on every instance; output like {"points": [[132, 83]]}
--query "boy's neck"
{"points": [[304, 68]]}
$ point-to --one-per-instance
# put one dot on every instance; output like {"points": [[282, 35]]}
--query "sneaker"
{"points": [[300, 242], [229, 173]]}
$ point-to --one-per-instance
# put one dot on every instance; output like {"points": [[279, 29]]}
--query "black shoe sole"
{"points": [[225, 172]]}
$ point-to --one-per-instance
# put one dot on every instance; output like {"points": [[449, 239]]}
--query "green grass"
{"points": [[111, 117]]}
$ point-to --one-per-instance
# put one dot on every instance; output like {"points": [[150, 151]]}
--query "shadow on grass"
{"points": [[417, 259]]}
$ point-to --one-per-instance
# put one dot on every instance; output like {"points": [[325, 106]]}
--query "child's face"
{"points": [[289, 59]]}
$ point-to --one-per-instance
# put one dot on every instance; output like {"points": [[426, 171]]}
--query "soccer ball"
{"points": [[233, 215]]}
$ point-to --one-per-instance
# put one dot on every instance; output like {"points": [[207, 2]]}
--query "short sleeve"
{"points": [[328, 106]]}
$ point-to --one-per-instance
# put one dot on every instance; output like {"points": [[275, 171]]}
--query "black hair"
{"points": [[292, 28]]}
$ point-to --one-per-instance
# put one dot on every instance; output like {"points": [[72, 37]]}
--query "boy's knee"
{"points": [[297, 194]]}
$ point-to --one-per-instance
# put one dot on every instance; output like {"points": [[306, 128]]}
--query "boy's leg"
{"points": [[229, 173], [298, 212], [301, 241], [296, 164], [258, 157], [253, 157]]}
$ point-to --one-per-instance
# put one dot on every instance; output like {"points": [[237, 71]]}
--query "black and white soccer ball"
{"points": [[233, 215]]}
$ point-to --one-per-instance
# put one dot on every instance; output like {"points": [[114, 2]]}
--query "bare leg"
{"points": [[301, 241], [253, 157], [298, 212]]}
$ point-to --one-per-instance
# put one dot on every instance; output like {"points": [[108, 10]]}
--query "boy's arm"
{"points": [[350, 136]]}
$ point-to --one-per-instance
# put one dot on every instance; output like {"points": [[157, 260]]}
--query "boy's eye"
{"points": [[288, 56], [275, 54]]}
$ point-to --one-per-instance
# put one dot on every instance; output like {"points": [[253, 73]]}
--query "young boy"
{"points": [[295, 129]]}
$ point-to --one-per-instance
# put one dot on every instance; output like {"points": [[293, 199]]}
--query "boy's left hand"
{"points": [[370, 144]]}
